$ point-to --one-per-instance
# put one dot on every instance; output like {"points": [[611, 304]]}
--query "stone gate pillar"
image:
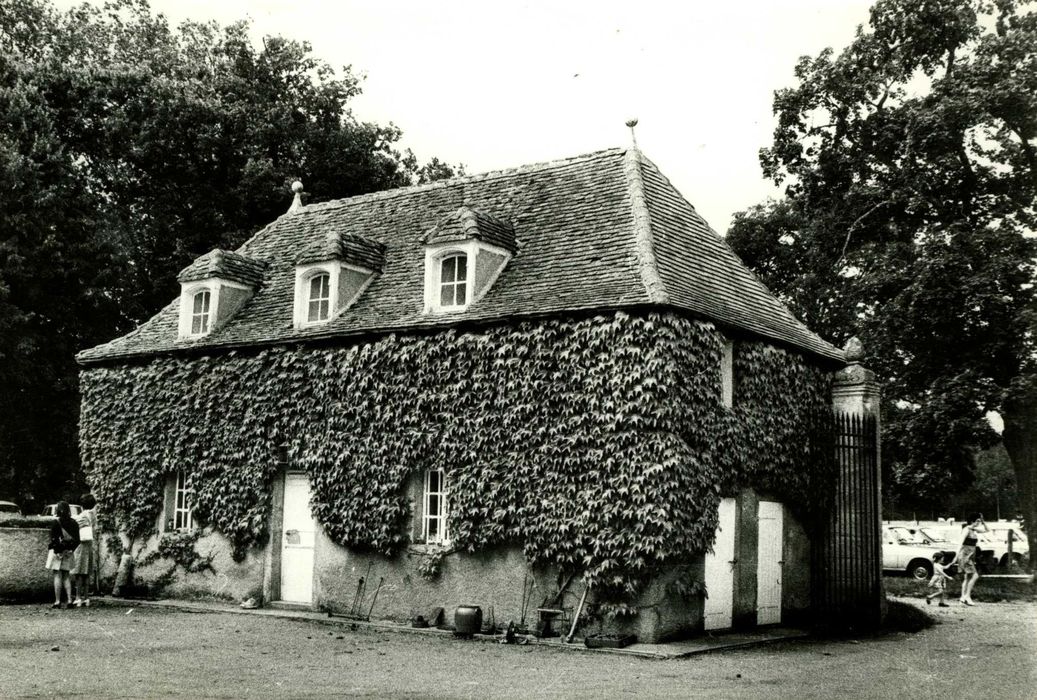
{"points": [[848, 589]]}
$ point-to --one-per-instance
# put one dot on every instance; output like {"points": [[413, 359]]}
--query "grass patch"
{"points": [[987, 590]]}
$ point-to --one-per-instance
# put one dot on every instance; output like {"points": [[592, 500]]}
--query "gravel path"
{"points": [[989, 651]]}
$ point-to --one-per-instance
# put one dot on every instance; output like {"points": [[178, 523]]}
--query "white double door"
{"points": [[720, 566], [299, 532]]}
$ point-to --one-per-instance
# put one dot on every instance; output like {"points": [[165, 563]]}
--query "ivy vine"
{"points": [[599, 444]]}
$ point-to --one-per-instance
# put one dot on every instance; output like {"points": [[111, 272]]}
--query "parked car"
{"points": [[52, 510], [908, 551], [991, 547], [9, 509]]}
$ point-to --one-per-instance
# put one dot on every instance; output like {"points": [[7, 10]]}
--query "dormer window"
{"points": [[200, 312], [453, 281], [213, 288], [464, 255], [331, 274], [319, 303]]}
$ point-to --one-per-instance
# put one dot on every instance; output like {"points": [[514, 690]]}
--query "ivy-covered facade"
{"points": [[587, 444]]}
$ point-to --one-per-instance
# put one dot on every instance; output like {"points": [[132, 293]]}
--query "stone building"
{"points": [[499, 390]]}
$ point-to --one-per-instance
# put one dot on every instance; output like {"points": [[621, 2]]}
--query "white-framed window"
{"points": [[727, 373], [183, 497], [200, 312], [453, 281], [318, 298], [459, 274], [434, 507]]}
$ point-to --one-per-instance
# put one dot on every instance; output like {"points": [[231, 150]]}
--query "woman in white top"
{"points": [[87, 521]]}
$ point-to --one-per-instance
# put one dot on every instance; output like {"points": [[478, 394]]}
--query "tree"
{"points": [[131, 147], [910, 169]]}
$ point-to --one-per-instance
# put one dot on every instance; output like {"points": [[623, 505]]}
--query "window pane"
{"points": [[459, 293], [433, 529], [319, 287], [433, 505], [433, 481], [446, 295], [462, 268], [449, 273]]}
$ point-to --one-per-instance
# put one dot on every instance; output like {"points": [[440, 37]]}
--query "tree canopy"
{"points": [[127, 148], [909, 164]]}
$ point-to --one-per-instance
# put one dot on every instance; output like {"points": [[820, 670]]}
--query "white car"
{"points": [[992, 546], [52, 510], [908, 551]]}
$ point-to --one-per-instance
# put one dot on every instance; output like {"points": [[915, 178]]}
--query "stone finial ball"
{"points": [[297, 186], [854, 350], [631, 123]]}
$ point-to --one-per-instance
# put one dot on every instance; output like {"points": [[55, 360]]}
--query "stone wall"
{"points": [[23, 553]]}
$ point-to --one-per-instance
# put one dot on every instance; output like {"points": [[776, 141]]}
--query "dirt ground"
{"points": [[989, 651]]}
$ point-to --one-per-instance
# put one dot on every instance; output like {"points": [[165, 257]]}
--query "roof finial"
{"points": [[297, 200], [633, 137]]}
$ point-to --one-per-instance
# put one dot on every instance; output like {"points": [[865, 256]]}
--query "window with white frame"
{"points": [[727, 379], [319, 298], [182, 502], [434, 507], [200, 321], [453, 281]]}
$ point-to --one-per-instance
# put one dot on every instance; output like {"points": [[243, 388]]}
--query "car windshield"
{"points": [[933, 535], [906, 536]]}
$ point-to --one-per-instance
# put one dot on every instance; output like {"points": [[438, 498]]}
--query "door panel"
{"points": [[297, 540], [719, 574], [769, 563]]}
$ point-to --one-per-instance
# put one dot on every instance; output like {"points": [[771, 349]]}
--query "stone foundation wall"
{"points": [[23, 552]]}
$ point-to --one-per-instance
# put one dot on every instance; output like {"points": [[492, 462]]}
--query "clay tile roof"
{"points": [[225, 265], [600, 231], [347, 247], [467, 223]]}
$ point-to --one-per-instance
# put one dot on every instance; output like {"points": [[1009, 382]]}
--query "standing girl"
{"points": [[64, 538], [87, 521]]}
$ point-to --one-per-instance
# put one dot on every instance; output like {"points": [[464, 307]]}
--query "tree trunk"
{"points": [[1019, 413]]}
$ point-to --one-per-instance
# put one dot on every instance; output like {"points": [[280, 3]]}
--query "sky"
{"points": [[500, 84]]}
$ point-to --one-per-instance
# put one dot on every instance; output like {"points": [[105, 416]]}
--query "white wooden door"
{"points": [[769, 563], [299, 532], [720, 568]]}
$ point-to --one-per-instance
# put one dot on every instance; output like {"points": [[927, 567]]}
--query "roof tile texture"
{"points": [[577, 249]]}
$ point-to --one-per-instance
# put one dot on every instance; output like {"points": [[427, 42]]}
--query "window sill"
{"points": [[423, 548]]}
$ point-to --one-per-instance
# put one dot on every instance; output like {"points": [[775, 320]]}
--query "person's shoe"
{"points": [[56, 605], [78, 603], [86, 602], [968, 602]]}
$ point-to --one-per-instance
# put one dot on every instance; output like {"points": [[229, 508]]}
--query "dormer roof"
{"points": [[346, 247], [466, 224], [599, 232], [224, 264]]}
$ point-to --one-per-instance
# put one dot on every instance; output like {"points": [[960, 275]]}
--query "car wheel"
{"points": [[920, 569]]}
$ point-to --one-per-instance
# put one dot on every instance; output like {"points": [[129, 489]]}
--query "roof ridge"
{"points": [[461, 179], [738, 258], [643, 244]]}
